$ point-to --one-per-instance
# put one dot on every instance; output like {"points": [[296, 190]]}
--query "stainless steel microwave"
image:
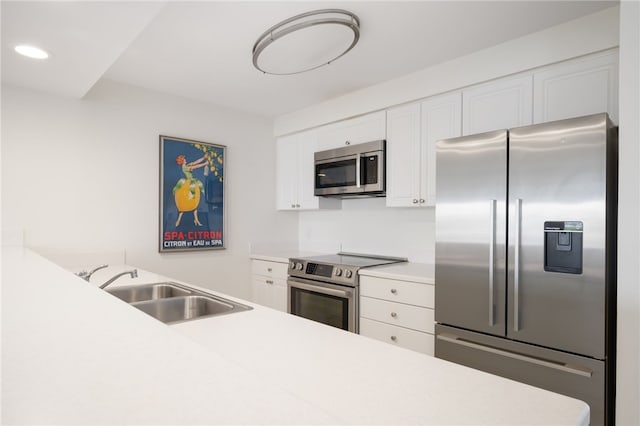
{"points": [[352, 170]]}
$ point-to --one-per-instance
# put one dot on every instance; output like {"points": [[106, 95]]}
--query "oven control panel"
{"points": [[338, 274]]}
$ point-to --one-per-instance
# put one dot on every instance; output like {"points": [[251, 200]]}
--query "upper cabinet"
{"points": [[412, 133], [583, 86], [499, 104], [294, 173], [366, 128], [403, 156]]}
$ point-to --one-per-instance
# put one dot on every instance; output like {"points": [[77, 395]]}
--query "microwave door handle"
{"points": [[358, 171]]}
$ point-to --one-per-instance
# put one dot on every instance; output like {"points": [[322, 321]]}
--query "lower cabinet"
{"points": [[398, 312], [269, 284]]}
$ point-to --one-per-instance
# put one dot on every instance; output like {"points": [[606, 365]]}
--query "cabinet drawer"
{"points": [[414, 317], [398, 291], [269, 291], [403, 337], [269, 269]]}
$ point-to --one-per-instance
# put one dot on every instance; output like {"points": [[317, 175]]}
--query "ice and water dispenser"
{"points": [[563, 247]]}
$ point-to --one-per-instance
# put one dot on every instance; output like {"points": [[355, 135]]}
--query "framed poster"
{"points": [[191, 195]]}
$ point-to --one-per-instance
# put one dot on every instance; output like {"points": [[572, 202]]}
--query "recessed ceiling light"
{"points": [[31, 51]]}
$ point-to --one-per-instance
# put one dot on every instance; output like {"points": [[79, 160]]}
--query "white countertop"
{"points": [[405, 271], [74, 354]]}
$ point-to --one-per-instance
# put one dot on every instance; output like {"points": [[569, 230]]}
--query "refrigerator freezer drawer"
{"points": [[572, 375]]}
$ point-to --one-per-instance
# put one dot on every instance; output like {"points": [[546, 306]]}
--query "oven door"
{"points": [[329, 304], [353, 174]]}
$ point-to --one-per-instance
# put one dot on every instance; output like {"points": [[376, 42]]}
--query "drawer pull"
{"points": [[269, 282], [394, 291], [269, 269], [393, 314], [394, 338]]}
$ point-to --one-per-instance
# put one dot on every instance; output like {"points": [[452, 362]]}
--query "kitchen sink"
{"points": [[171, 302], [140, 293], [184, 308]]}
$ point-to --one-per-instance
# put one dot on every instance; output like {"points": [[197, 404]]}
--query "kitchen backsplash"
{"points": [[368, 226]]}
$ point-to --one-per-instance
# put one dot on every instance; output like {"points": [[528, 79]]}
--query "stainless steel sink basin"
{"points": [[171, 302], [185, 308], [140, 293]]}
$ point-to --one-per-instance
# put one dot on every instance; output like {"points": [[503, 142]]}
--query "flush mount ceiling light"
{"points": [[31, 51], [306, 41]]}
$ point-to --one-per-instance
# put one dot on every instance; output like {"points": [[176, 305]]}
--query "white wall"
{"points": [[367, 226], [628, 374], [81, 176]]}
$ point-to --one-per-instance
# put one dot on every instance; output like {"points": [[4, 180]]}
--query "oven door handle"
{"points": [[318, 288]]}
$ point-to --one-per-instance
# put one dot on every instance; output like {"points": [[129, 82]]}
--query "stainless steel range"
{"points": [[326, 288]]}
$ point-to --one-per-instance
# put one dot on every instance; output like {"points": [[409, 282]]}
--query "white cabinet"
{"points": [[412, 133], [398, 312], [583, 86], [499, 104], [294, 173], [269, 284], [404, 163], [366, 128]]}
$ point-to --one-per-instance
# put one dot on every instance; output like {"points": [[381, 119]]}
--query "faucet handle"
{"points": [[82, 274]]}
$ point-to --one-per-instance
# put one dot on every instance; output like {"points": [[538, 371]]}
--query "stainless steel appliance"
{"points": [[526, 256], [326, 289], [352, 170]]}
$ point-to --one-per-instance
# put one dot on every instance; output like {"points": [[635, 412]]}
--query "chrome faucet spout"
{"points": [[133, 273], [87, 275]]}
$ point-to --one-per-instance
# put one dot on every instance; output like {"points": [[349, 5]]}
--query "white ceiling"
{"points": [[202, 50]]}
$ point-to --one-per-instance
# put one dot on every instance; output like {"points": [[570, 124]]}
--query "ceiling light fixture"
{"points": [[306, 41], [31, 51]]}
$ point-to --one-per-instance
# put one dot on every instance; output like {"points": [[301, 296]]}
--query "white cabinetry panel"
{"points": [[403, 337], [366, 128], [269, 284], [582, 86], [412, 133], [499, 104], [295, 173], [441, 119], [398, 291], [400, 314], [397, 312], [403, 156]]}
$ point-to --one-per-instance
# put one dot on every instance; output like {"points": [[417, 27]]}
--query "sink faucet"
{"points": [[133, 273], [87, 275]]}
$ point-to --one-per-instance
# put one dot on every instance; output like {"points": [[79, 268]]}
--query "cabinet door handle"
{"points": [[393, 314], [394, 338], [394, 291], [415, 201], [421, 200], [298, 205], [269, 282], [293, 206], [269, 269]]}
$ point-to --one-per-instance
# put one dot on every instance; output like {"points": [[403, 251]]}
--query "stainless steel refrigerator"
{"points": [[526, 256]]}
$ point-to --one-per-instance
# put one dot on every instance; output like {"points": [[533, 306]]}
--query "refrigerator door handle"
{"points": [[580, 371], [492, 244], [516, 267]]}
